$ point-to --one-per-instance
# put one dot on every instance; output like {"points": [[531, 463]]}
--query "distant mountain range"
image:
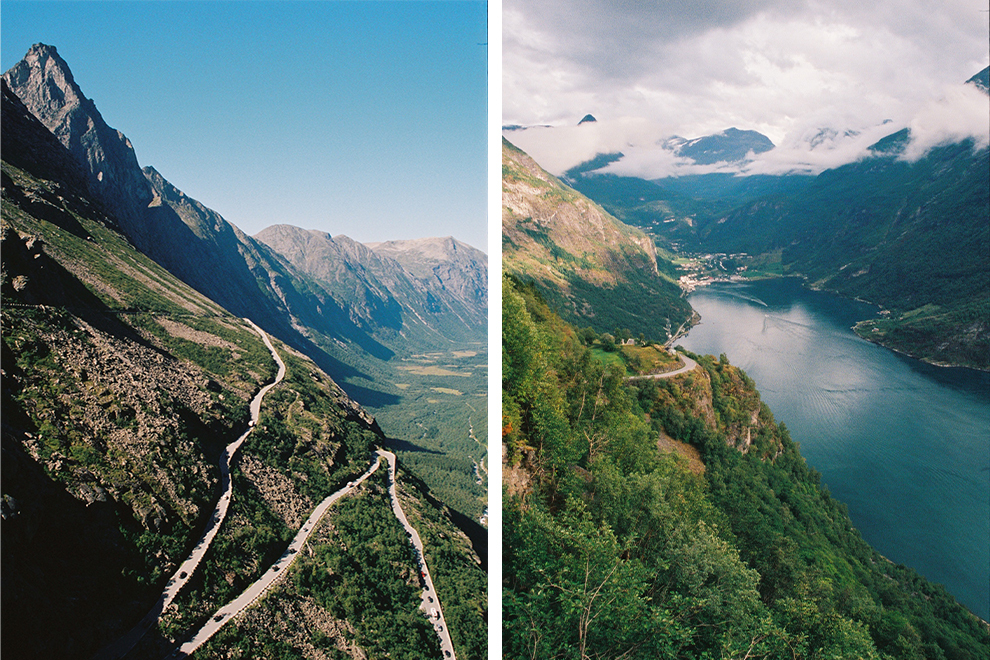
{"points": [[357, 320], [192, 241], [912, 237]]}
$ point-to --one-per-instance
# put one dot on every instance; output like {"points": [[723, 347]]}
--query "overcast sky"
{"points": [[359, 118], [648, 70]]}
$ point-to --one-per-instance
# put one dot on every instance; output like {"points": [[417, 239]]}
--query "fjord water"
{"points": [[904, 444]]}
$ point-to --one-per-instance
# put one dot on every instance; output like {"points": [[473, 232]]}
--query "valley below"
{"points": [[182, 402], [806, 493]]}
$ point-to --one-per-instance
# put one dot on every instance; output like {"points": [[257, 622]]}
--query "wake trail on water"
{"points": [[743, 296]]}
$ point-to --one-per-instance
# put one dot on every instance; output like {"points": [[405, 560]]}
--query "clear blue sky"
{"points": [[361, 118]]}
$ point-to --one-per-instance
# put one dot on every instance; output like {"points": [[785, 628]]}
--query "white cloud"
{"points": [[963, 112], [787, 70]]}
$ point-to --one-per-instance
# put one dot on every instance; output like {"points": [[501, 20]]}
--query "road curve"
{"points": [[185, 571], [689, 365], [261, 585], [430, 602]]}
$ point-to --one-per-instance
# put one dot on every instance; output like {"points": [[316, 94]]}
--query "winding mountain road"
{"points": [[430, 602], [262, 584], [689, 365], [185, 571]]}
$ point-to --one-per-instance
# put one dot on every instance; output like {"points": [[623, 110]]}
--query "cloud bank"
{"points": [[822, 79]]}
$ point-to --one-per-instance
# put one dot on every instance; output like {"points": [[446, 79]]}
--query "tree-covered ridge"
{"points": [[614, 548], [910, 236]]}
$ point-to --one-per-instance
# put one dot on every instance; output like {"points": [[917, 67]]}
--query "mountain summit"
{"points": [[731, 145], [334, 322], [44, 83]]}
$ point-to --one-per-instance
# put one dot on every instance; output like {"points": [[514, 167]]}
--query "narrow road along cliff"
{"points": [[184, 573]]}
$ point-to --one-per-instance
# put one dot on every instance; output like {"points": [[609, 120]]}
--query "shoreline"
{"points": [[689, 285]]}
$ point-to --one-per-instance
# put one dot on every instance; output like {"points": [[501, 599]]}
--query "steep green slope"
{"points": [[591, 267], [121, 386], [676, 518], [425, 300], [911, 237]]}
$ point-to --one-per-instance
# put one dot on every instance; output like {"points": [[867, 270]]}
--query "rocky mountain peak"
{"points": [[981, 80], [45, 85]]}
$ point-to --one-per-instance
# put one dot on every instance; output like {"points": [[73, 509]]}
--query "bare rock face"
{"points": [[44, 83], [457, 268], [434, 284]]}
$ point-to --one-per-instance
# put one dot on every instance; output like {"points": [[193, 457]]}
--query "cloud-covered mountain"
{"points": [[811, 145], [730, 146]]}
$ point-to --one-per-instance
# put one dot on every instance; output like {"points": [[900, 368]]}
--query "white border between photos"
{"points": [[494, 329]]}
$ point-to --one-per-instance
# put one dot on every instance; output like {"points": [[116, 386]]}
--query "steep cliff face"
{"points": [[45, 84], [575, 251], [459, 270], [352, 325], [614, 543], [190, 240]]}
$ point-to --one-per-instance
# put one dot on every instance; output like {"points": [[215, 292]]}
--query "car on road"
{"points": [[219, 617], [182, 575]]}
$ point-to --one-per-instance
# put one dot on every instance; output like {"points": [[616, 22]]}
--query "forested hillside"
{"points": [[676, 518], [912, 237]]}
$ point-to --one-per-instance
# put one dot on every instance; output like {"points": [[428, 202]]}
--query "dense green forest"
{"points": [[619, 542]]}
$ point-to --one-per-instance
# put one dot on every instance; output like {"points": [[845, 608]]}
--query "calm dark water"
{"points": [[905, 445]]}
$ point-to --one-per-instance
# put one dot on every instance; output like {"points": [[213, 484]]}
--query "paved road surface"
{"points": [[689, 365], [430, 601], [184, 573], [261, 585]]}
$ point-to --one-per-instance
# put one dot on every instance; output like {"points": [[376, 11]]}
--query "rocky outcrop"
{"points": [[45, 85], [457, 268], [190, 240]]}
